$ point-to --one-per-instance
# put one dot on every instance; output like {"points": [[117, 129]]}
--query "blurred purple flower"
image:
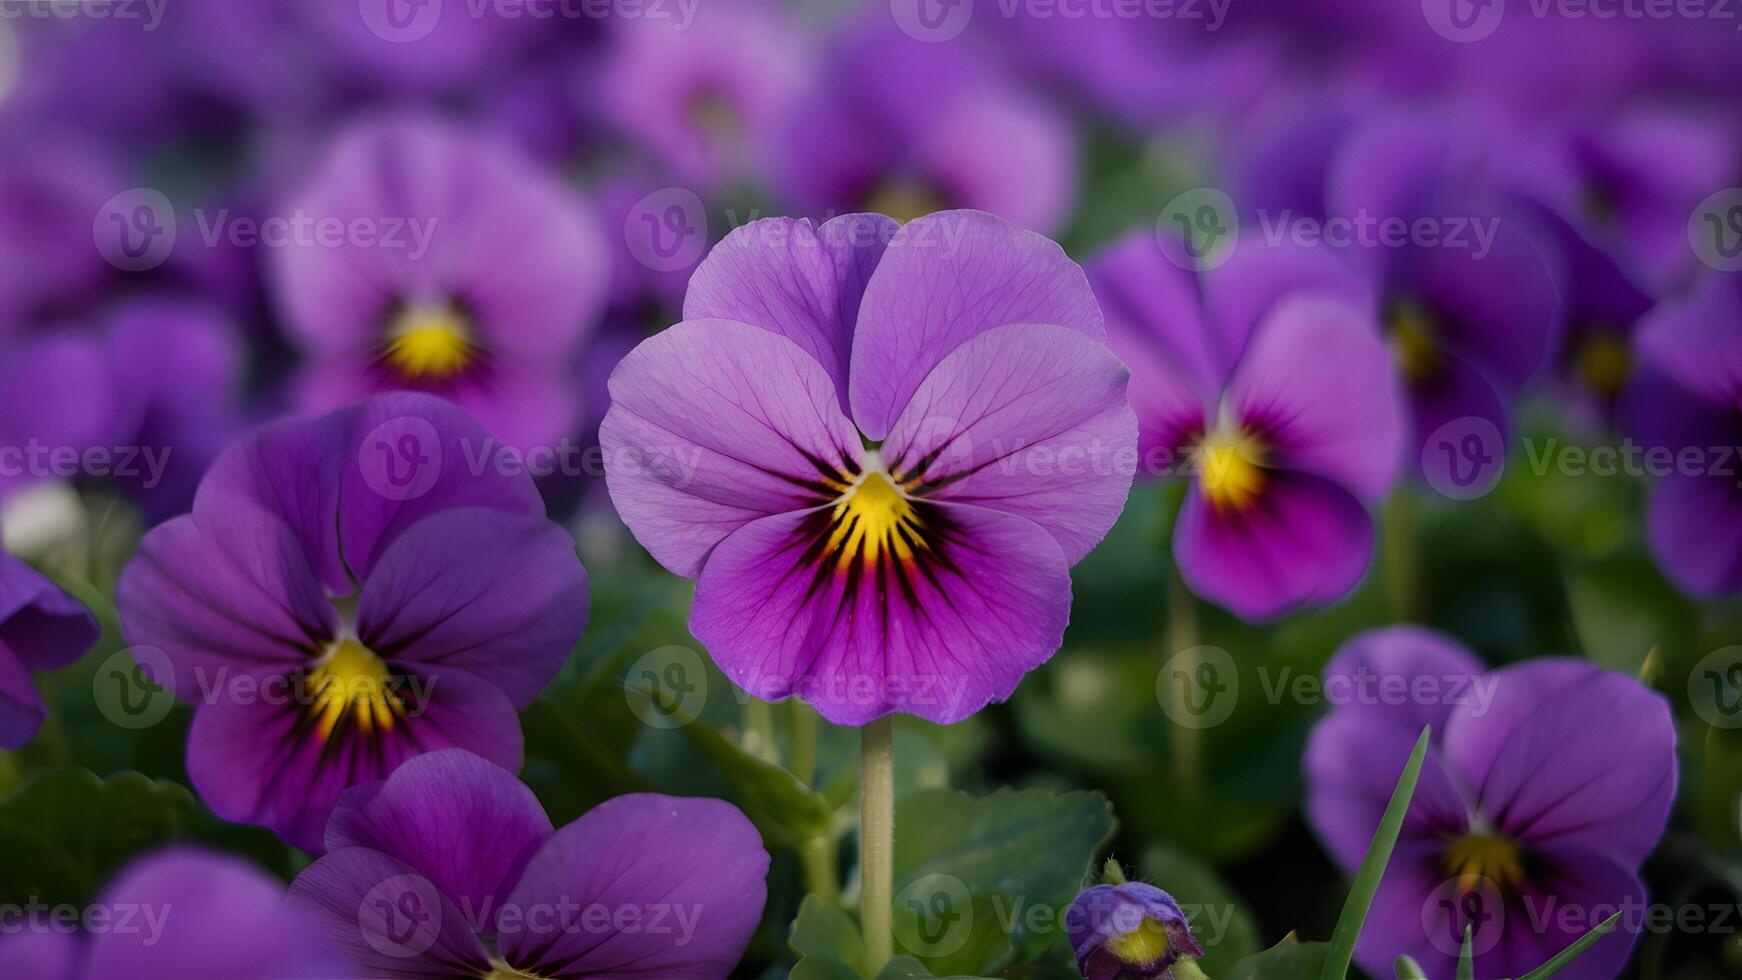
{"points": [[477, 277], [1130, 931], [41, 628], [451, 867], [905, 128], [1265, 380], [60, 395], [190, 915], [51, 189], [880, 451], [351, 591], [1529, 822], [1685, 397]]}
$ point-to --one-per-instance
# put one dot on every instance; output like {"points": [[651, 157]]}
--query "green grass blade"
{"points": [[1408, 969], [1467, 956], [1354, 914], [1571, 953]]}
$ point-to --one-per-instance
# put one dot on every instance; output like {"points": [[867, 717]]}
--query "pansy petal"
{"points": [[501, 595], [256, 755], [1460, 396], [232, 591], [1476, 733], [41, 625], [694, 861], [466, 824], [222, 919], [1303, 541], [1696, 532], [1692, 341], [1031, 420], [1317, 381], [1352, 763], [410, 455], [1570, 892], [21, 708], [1242, 293], [1388, 670], [796, 279], [714, 424], [42, 955], [387, 917], [945, 278], [938, 635], [1561, 780]]}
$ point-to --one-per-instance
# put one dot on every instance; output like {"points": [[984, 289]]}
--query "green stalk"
{"points": [[877, 840], [1182, 641]]}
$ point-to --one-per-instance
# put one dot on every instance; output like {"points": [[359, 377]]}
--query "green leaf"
{"points": [[67, 831], [569, 766], [1366, 885], [1566, 956], [827, 942], [1467, 956], [983, 884], [1408, 969], [1219, 921], [1287, 960]]}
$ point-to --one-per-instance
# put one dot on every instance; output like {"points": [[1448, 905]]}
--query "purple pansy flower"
{"points": [[60, 395], [1265, 379], [485, 293], [1529, 822], [905, 128], [451, 868], [1129, 931], [350, 591], [880, 451], [188, 914], [1686, 397], [41, 628]]}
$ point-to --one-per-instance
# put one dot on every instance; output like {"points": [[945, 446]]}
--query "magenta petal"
{"points": [[42, 955], [387, 917], [1561, 781], [221, 919], [1571, 891], [1352, 763], [1031, 420], [43, 627], [1376, 671], [501, 595], [465, 824], [1241, 294], [257, 758], [714, 424], [796, 279], [691, 871], [1692, 341], [939, 642], [945, 278], [1303, 541], [224, 594], [1696, 532], [1473, 736], [1000, 151], [21, 707], [1318, 381]]}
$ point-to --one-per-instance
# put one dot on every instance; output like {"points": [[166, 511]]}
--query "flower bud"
{"points": [[1129, 931]]}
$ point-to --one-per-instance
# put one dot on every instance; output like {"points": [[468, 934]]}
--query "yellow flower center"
{"points": [[903, 200], [1604, 362], [1475, 856], [352, 683], [872, 518], [430, 343], [502, 971], [1142, 945], [1230, 468], [1412, 337]]}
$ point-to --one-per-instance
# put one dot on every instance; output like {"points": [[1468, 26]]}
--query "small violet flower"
{"points": [[350, 592], [449, 263], [1130, 931], [191, 915], [880, 449], [451, 868], [1546, 786], [41, 628], [1266, 380]]}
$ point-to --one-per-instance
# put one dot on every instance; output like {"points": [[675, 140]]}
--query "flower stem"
{"points": [[877, 840], [1182, 641], [804, 742], [1398, 552], [818, 857]]}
